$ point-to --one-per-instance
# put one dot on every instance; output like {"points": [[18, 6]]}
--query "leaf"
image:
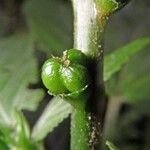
{"points": [[17, 69], [134, 83], [55, 112], [22, 126], [139, 88], [3, 146], [51, 23], [133, 80], [111, 146], [17, 137], [114, 61], [21, 133]]}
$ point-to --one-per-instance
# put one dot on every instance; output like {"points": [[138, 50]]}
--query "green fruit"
{"points": [[66, 74], [75, 56], [75, 77], [51, 76]]}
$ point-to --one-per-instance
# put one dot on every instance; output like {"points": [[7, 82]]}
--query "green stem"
{"points": [[88, 33], [89, 21], [79, 130]]}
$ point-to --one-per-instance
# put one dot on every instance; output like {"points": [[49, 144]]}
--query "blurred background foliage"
{"points": [[32, 30]]}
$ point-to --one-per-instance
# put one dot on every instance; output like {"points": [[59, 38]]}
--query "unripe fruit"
{"points": [[75, 77], [67, 75], [75, 56], [51, 76]]}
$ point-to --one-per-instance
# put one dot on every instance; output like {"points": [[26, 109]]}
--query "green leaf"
{"points": [[17, 69], [111, 146], [114, 61], [137, 89], [22, 133], [17, 137], [51, 23], [22, 127], [134, 83], [3, 146], [55, 112], [133, 80]]}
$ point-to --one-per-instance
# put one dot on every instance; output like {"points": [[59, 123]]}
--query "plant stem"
{"points": [[79, 130], [88, 32], [90, 17]]}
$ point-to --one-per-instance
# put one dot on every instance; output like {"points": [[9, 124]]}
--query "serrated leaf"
{"points": [[114, 61], [17, 69], [51, 23], [55, 112]]}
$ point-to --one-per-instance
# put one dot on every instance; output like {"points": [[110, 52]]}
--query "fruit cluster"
{"points": [[67, 74]]}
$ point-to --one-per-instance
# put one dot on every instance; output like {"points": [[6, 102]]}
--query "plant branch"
{"points": [[79, 130], [88, 35], [90, 17], [87, 32]]}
